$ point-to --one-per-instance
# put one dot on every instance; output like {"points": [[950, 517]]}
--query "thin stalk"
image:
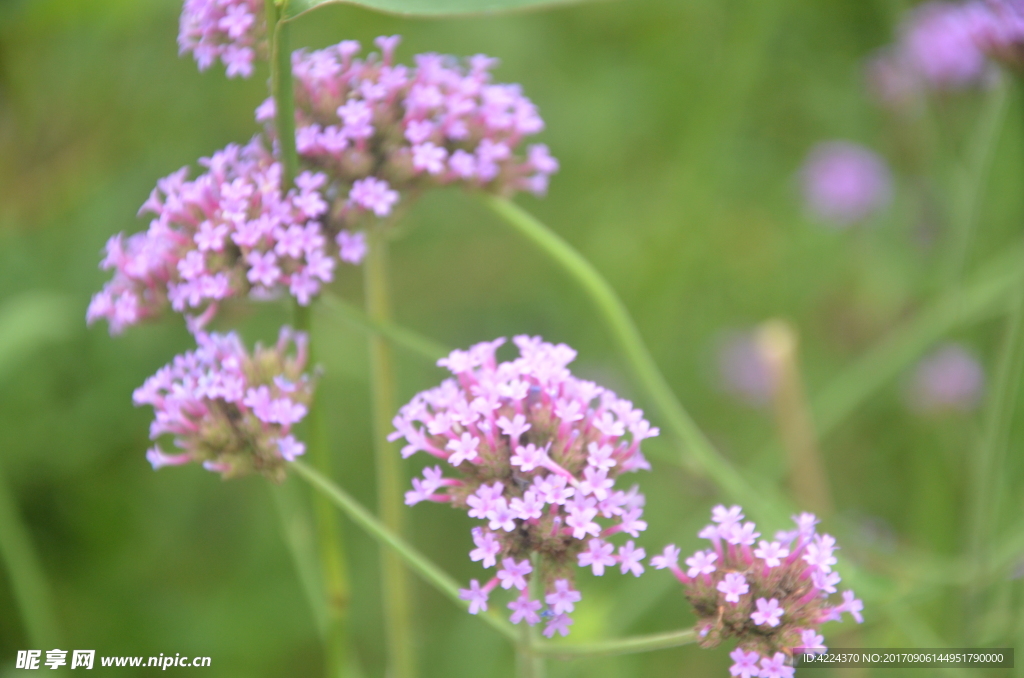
{"points": [[282, 90], [888, 358], [608, 648], [989, 474], [971, 180], [28, 582], [529, 664], [617, 318], [299, 535], [401, 337], [397, 599], [777, 342], [413, 559], [333, 564]]}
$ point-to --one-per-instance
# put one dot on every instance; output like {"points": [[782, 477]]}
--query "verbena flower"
{"points": [[949, 378], [227, 410], [536, 454], [771, 595], [945, 45], [226, 233], [844, 182], [233, 31], [382, 130]]}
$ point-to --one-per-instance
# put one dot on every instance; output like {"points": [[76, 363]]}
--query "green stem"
{"points": [[434, 576], [529, 663], [415, 560], [299, 535], [399, 336], [282, 90], [607, 648], [25, 572], [971, 181], [621, 325], [989, 475], [904, 345], [333, 565], [397, 612]]}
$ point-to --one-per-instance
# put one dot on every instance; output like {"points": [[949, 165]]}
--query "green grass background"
{"points": [[680, 126]]}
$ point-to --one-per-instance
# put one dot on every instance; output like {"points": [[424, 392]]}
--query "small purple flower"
{"points": [[630, 558], [949, 378], [476, 596], [701, 562], [768, 612], [733, 586], [744, 664], [772, 553], [776, 667], [373, 194], [562, 600], [844, 183], [939, 43], [524, 608], [743, 371], [597, 556], [232, 30], [352, 246], [513, 574], [560, 624]]}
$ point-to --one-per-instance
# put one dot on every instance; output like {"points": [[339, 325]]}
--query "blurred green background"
{"points": [[680, 126]]}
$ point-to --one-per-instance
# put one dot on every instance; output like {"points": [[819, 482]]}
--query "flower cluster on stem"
{"points": [[773, 596], [536, 453], [230, 30], [226, 233], [945, 45], [380, 129], [230, 411]]}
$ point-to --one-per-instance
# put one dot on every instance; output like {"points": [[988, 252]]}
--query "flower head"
{"points": [[845, 183], [232, 30], [228, 232], [227, 410], [948, 379], [382, 130], [538, 453], [772, 598]]}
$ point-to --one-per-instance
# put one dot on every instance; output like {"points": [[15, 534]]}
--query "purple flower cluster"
{"points": [[228, 410], [231, 30], [379, 129], [537, 453], [845, 183], [949, 378], [771, 595], [226, 233], [947, 45]]}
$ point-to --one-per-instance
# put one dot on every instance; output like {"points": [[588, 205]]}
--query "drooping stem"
{"points": [[394, 543], [397, 608], [699, 449], [401, 337], [434, 576], [25, 573], [331, 547]]}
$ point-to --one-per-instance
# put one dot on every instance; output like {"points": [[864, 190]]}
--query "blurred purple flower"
{"points": [[743, 371], [950, 378], [938, 43], [844, 182]]}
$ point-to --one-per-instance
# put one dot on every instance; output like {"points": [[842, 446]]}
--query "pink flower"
{"points": [[524, 608], [701, 562], [771, 553], [767, 612], [562, 599], [733, 586], [512, 573], [744, 663], [776, 667], [232, 30], [630, 557], [373, 194], [476, 596], [560, 624], [597, 556]]}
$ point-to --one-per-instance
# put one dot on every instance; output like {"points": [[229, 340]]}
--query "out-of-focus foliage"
{"points": [[680, 127]]}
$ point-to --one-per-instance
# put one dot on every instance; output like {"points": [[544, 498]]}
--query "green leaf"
{"points": [[430, 7]]}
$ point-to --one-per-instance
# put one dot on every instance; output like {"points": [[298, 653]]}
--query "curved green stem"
{"points": [[25, 572], [607, 648], [437, 578], [399, 336], [334, 570], [415, 560], [397, 608], [618, 320]]}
